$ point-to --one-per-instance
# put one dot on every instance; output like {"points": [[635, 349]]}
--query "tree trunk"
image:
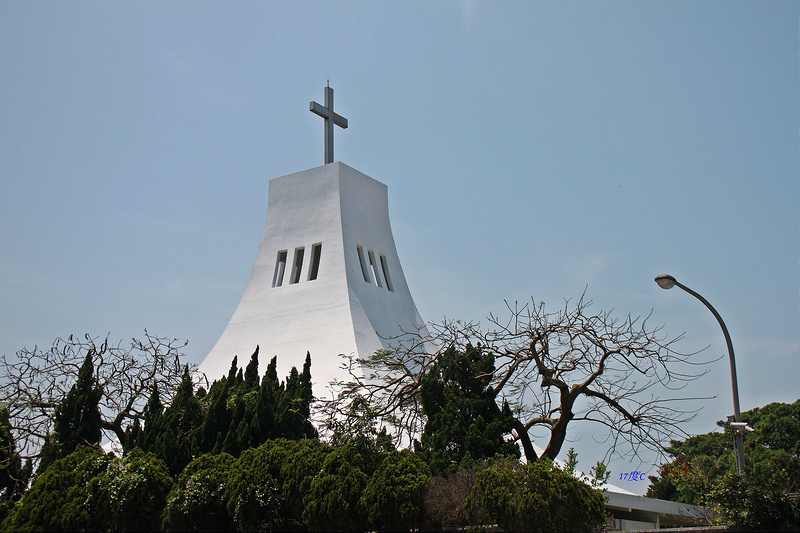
{"points": [[558, 433], [116, 428], [527, 446]]}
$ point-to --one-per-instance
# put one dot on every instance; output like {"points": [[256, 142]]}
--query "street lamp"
{"points": [[665, 281]]}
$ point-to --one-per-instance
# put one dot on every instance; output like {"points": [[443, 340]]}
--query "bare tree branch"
{"points": [[554, 369]]}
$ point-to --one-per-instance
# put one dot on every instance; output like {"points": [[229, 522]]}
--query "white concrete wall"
{"points": [[337, 313]]}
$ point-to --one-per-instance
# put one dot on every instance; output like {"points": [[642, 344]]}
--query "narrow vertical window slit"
{"points": [[297, 268], [385, 268], [363, 263], [280, 268], [374, 265], [316, 254]]}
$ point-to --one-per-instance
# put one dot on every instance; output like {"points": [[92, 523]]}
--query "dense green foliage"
{"points": [[76, 426], [87, 490], [358, 427], [169, 434], [703, 471], [56, 499], [463, 422], [261, 490], [535, 497], [253, 491], [13, 474], [197, 502], [299, 469], [77, 419], [758, 501], [237, 413], [244, 456], [394, 495], [334, 502], [130, 494]]}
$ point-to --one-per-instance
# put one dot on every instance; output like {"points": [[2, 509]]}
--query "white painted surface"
{"points": [[337, 313], [635, 511]]}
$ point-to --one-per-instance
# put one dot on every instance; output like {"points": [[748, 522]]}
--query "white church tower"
{"points": [[326, 280]]}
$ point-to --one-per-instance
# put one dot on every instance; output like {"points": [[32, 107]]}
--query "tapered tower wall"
{"points": [[326, 279]]}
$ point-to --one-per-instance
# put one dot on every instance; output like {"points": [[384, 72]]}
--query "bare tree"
{"points": [[34, 383], [554, 369]]}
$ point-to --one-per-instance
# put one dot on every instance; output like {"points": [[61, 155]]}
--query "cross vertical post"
{"points": [[331, 119]]}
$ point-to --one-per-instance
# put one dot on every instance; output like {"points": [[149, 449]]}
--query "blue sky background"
{"points": [[530, 149]]}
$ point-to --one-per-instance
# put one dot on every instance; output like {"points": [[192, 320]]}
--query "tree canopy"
{"points": [[703, 470], [463, 423], [244, 456], [535, 497], [334, 501], [238, 412], [394, 496], [14, 475], [553, 369], [56, 499], [35, 382], [77, 418], [197, 501]]}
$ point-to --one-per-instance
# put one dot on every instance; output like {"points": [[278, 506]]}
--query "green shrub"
{"points": [[197, 503], [535, 497], [252, 492], [394, 495], [299, 469], [131, 494], [56, 499], [758, 502], [334, 501]]}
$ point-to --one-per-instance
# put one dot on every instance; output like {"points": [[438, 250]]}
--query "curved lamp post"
{"points": [[665, 281]]}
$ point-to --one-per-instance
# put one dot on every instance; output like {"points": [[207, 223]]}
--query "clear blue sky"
{"points": [[530, 149]]}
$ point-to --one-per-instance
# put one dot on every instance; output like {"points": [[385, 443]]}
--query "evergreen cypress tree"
{"points": [[236, 438], [306, 396], [153, 414], [264, 417], [236, 414], [48, 454], [291, 421], [133, 434], [305, 383], [251, 372], [464, 424], [295, 423], [175, 442], [185, 411], [232, 371], [212, 432], [77, 419], [272, 371], [13, 475]]}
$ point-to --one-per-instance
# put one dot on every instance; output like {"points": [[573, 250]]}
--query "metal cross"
{"points": [[331, 118]]}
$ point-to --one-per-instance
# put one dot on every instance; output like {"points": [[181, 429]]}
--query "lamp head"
{"points": [[741, 427], [665, 281]]}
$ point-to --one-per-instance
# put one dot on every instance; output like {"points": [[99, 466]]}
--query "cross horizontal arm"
{"points": [[324, 112], [340, 121], [318, 109]]}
